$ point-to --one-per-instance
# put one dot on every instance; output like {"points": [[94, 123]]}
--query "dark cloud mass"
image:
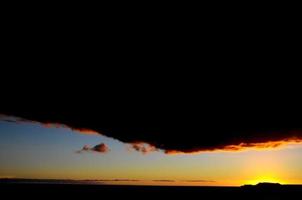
{"points": [[173, 129]]}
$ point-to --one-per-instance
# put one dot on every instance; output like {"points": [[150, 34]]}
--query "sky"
{"points": [[33, 150]]}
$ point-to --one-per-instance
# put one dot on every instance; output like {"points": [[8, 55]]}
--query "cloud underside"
{"points": [[175, 134]]}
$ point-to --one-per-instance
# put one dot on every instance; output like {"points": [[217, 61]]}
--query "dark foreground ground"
{"points": [[77, 191]]}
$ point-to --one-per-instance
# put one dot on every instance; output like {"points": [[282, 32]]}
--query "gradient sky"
{"points": [[31, 150]]}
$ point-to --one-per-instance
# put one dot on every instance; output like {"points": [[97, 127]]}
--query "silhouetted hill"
{"points": [[263, 185]]}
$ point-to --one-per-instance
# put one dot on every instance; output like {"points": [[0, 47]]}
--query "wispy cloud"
{"points": [[100, 148], [7, 177], [164, 180], [199, 181], [142, 147], [115, 180]]}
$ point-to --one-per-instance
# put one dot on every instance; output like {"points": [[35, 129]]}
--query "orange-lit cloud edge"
{"points": [[146, 148], [243, 146], [47, 124], [80, 130]]}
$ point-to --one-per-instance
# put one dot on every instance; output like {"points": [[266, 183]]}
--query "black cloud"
{"points": [[168, 127]]}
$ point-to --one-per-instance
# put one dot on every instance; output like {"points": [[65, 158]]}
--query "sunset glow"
{"points": [[50, 152]]}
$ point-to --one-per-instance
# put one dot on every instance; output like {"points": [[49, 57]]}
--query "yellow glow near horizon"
{"points": [[266, 179]]}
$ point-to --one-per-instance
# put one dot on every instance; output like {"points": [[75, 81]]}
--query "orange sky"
{"points": [[35, 151]]}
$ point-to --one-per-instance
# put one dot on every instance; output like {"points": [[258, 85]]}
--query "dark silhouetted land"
{"points": [[26, 188]]}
